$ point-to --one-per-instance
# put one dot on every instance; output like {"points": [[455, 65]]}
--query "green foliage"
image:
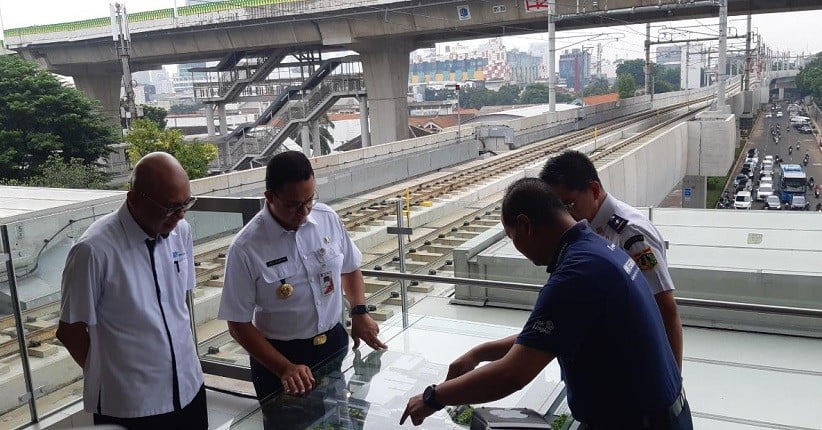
{"points": [[326, 138], [156, 115], [534, 94], [145, 137], [625, 86], [559, 422], [465, 415], [184, 109], [809, 79], [664, 79], [40, 117], [597, 87], [57, 173]]}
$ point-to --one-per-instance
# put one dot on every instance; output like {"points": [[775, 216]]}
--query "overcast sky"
{"points": [[796, 31]]}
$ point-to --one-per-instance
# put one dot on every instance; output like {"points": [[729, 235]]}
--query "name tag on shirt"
{"points": [[327, 283], [276, 262]]}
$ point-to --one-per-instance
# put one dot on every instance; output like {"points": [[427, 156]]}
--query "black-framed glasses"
{"points": [[184, 207], [570, 205], [298, 206]]}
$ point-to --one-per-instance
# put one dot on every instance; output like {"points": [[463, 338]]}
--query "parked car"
{"points": [[764, 191], [779, 114], [806, 129], [799, 203], [753, 152], [773, 203], [768, 158], [768, 115], [740, 179], [742, 200], [767, 170]]}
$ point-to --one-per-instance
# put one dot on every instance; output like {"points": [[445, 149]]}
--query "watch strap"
{"points": [[429, 397], [359, 310]]}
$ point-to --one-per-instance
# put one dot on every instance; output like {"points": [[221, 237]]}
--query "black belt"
{"points": [[318, 340], [647, 421]]}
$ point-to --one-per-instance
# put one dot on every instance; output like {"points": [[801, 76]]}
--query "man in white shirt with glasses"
{"points": [[124, 317], [285, 275]]}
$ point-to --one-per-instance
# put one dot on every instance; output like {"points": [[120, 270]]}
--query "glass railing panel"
{"points": [[214, 222], [14, 404], [39, 247], [369, 389]]}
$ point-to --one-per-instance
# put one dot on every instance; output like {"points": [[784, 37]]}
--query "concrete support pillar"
{"points": [[105, 88], [365, 133], [781, 94], [694, 191], [209, 108], [315, 137], [305, 138], [223, 120], [385, 65]]}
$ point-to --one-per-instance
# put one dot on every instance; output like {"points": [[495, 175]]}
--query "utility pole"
{"points": [[599, 60], [648, 60], [552, 53], [723, 47], [748, 56], [122, 40]]}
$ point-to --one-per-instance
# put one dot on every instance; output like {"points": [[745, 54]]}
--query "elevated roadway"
{"points": [[383, 32]]}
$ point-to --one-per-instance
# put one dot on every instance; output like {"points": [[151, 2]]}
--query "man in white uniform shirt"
{"points": [[285, 275], [124, 317], [574, 178]]}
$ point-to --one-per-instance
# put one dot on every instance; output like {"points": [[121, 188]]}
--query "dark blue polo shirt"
{"points": [[597, 314]]}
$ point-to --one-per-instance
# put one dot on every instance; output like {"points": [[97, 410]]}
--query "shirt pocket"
{"points": [[328, 257], [270, 288]]}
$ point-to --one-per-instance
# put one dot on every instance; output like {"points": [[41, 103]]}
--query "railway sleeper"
{"points": [[397, 301], [424, 256]]}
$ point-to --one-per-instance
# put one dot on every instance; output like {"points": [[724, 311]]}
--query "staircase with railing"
{"points": [[293, 114], [235, 75]]}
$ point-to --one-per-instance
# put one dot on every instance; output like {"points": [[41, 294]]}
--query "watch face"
{"points": [[428, 394]]}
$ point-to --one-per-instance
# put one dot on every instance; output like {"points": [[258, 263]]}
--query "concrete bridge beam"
{"points": [[385, 65], [104, 88]]}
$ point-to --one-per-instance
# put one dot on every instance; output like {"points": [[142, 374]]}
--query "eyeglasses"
{"points": [[184, 207], [570, 205], [298, 206]]}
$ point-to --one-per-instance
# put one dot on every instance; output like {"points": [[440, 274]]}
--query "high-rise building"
{"points": [[575, 68]]}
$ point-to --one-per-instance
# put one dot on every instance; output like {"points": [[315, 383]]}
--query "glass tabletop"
{"points": [[365, 389]]}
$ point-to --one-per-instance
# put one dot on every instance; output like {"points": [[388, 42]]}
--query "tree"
{"points": [[625, 86], [597, 86], [635, 68], [809, 79], [506, 95], [326, 138], [57, 173], [534, 94], [184, 109], [146, 137], [155, 114], [40, 117]]}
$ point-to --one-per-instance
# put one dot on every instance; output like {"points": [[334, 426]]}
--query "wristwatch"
{"points": [[429, 397], [359, 310]]}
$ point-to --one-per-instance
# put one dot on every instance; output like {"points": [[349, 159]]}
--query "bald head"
{"points": [[157, 170], [158, 185]]}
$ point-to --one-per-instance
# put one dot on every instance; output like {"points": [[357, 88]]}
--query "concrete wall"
{"points": [[712, 138], [644, 176]]}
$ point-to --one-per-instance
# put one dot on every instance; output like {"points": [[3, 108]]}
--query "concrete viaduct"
{"points": [[383, 32]]}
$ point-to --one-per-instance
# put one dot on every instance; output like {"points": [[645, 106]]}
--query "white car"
{"points": [[764, 191], [779, 114], [767, 170], [773, 203], [768, 115], [742, 200], [768, 158]]}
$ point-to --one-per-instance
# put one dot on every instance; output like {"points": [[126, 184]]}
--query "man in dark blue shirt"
{"points": [[595, 314]]}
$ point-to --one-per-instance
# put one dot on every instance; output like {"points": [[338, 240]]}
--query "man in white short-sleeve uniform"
{"points": [[285, 275], [574, 178], [124, 317]]}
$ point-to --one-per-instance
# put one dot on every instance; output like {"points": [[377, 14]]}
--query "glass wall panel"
{"points": [[39, 247], [14, 405]]}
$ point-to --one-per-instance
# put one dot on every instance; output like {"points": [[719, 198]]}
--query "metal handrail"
{"points": [[682, 301]]}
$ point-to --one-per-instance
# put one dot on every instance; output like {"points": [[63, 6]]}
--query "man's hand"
{"points": [[417, 410], [462, 365], [297, 379], [365, 328]]}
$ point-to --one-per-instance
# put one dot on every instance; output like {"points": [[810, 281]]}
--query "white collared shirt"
{"points": [[108, 283], [644, 242], [264, 256]]}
